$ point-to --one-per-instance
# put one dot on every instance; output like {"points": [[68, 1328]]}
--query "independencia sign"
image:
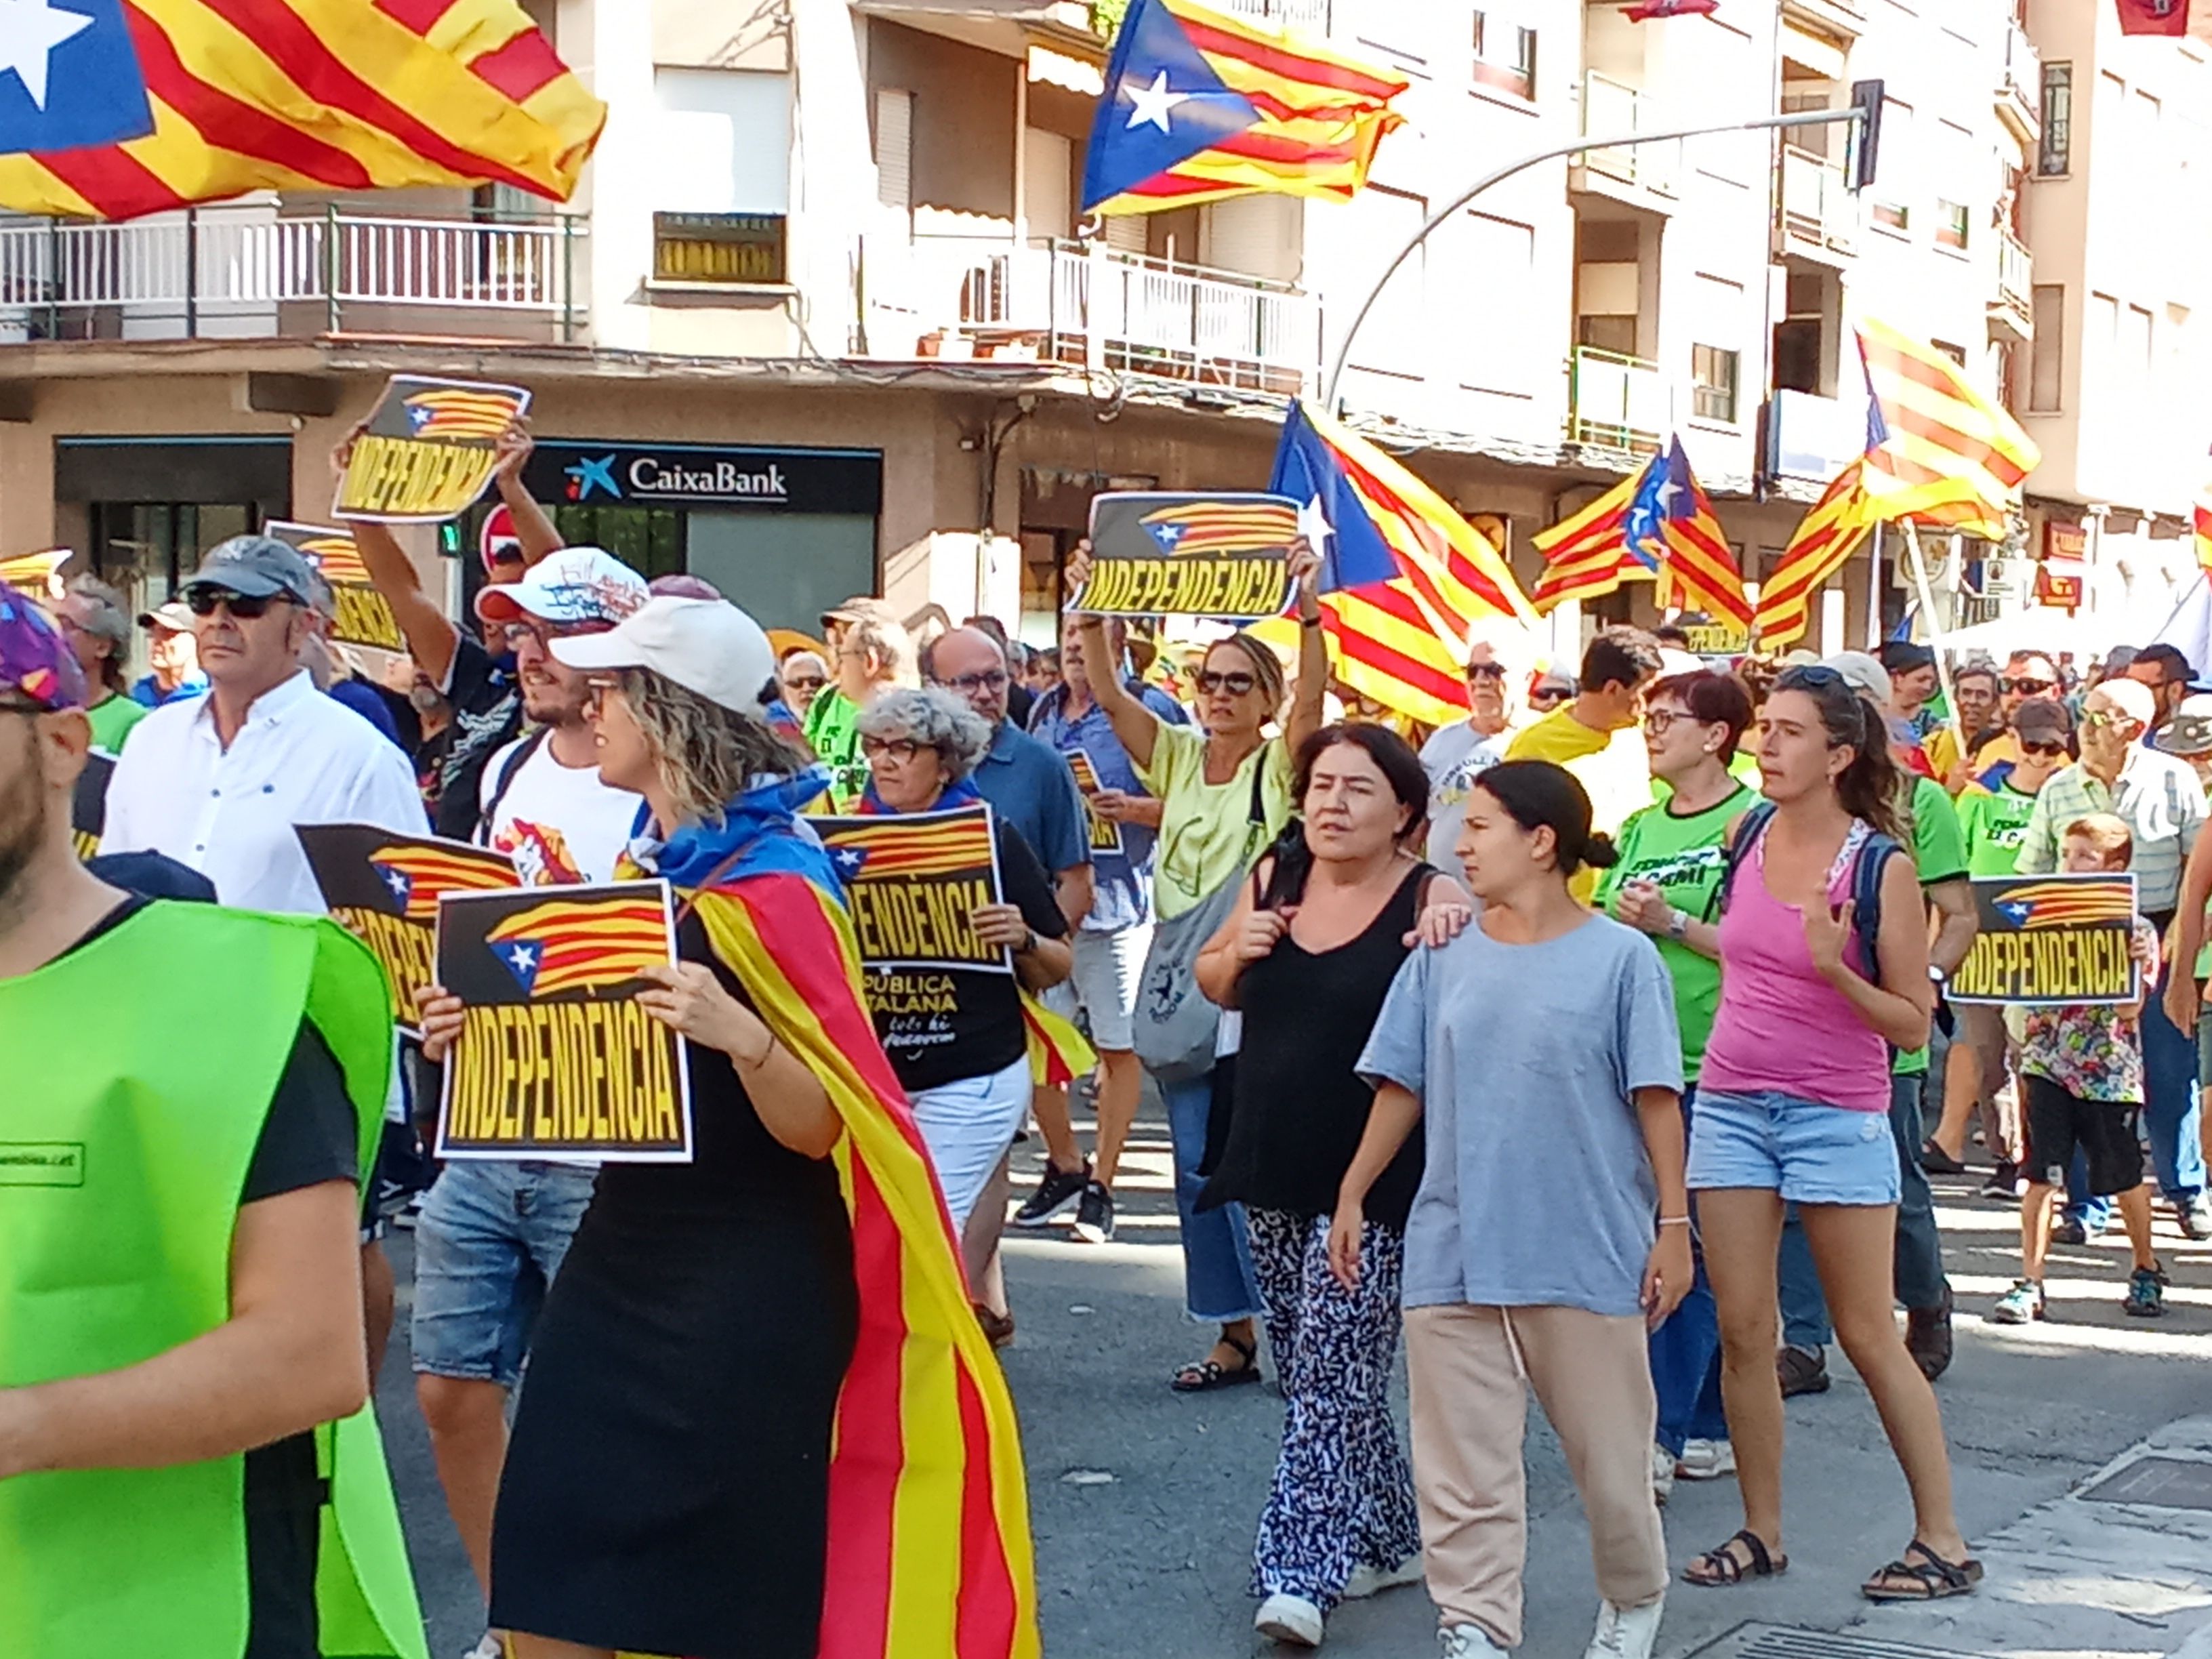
{"points": [[913, 879], [1226, 557], [428, 450], [2048, 939], [360, 615], [557, 1059]]}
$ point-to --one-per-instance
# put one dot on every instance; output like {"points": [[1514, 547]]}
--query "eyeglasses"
{"points": [[533, 627], [990, 679], [1237, 681], [805, 683], [2096, 719], [2027, 688], [244, 606], [1659, 721], [2044, 751], [901, 749], [1486, 671]]}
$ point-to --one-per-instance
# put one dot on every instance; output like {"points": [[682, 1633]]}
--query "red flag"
{"points": [[2153, 17], [1651, 8]]}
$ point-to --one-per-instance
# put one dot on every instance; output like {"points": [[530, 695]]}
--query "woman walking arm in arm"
{"points": [[1397, 1110]]}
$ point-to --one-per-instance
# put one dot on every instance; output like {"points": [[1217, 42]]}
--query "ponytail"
{"points": [[1536, 794]]}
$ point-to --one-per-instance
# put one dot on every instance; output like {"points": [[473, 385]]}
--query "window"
{"points": [[2046, 362], [1950, 224], [1505, 55], [1897, 164], [1494, 359], [2051, 156], [732, 128], [1713, 378], [718, 247]]}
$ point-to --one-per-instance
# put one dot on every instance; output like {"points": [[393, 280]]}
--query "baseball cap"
{"points": [[2189, 731], [35, 660], [2044, 719], [2118, 659], [255, 568], [576, 585], [861, 607], [1864, 674], [706, 646], [175, 615]]}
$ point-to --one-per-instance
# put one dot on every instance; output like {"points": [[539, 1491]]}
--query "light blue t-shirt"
{"points": [[1537, 1191], [1122, 889]]}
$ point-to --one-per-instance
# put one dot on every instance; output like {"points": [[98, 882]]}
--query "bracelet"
{"points": [[756, 1061], [1309, 622], [1674, 1221]]}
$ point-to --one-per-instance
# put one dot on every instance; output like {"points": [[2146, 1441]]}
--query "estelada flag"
{"points": [[418, 873], [138, 105], [562, 945], [1199, 107], [2153, 17]]}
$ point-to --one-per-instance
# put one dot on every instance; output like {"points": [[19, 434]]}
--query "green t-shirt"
{"points": [[833, 731], [1207, 835], [1994, 822], [1939, 853], [112, 722], [1686, 857]]}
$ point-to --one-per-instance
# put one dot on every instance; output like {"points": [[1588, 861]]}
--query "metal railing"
{"points": [[1816, 204], [1615, 108], [234, 272], [1307, 16], [1618, 401], [2015, 277], [2022, 80]]}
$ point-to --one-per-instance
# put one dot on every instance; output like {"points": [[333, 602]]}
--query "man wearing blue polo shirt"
{"points": [[1111, 942]]}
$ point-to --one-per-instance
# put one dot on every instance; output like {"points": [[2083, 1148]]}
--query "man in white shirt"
{"points": [[1455, 755], [492, 1235]]}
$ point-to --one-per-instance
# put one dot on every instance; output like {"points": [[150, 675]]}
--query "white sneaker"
{"points": [[493, 1646], [1367, 1581], [1626, 1632], [1291, 1618], [1705, 1460], [1662, 1474], [1468, 1642]]}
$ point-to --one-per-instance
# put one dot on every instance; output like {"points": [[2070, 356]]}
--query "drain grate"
{"points": [[1790, 1642], [2166, 1483]]}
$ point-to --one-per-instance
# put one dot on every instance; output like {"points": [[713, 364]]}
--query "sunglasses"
{"points": [[1237, 681], [806, 682], [1813, 676], [2097, 719], [2027, 688], [1486, 671], [1546, 699], [2044, 751], [201, 602]]}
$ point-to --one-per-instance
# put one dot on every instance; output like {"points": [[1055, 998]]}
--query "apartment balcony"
{"points": [[1290, 16], [1616, 401], [1089, 306], [2020, 88], [1816, 215], [256, 273], [1843, 17], [1646, 176], [2012, 309]]}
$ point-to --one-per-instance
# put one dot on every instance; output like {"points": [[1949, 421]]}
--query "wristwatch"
{"points": [[1678, 925]]}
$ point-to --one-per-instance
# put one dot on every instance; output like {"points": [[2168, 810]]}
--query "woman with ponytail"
{"points": [[1537, 1051], [1793, 1107]]}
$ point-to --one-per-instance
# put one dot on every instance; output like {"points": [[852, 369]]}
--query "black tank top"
{"points": [[1299, 1109]]}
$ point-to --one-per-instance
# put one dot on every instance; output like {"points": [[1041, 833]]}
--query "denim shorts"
{"points": [[1808, 1152], [491, 1238]]}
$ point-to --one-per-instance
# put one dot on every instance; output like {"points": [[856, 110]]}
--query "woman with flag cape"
{"points": [[758, 1377]]}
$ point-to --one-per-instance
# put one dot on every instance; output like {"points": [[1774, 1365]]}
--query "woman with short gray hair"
{"points": [[957, 1039], [97, 625]]}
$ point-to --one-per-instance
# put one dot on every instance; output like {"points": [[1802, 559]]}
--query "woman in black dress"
{"points": [[666, 1491]]}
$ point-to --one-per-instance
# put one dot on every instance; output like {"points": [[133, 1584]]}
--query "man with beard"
{"points": [[181, 1364]]}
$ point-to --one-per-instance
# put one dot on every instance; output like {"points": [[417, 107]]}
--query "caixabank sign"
{"points": [[755, 478]]}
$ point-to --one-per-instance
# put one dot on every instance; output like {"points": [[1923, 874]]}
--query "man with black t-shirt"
{"points": [[180, 1312]]}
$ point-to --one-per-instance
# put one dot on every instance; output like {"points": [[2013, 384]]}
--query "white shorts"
{"points": [[967, 1126], [1107, 967]]}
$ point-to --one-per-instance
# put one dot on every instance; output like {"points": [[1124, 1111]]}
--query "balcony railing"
{"points": [[1819, 214], [1091, 307], [1619, 402], [244, 272], [2015, 282], [1611, 105], [2019, 86], [1304, 16]]}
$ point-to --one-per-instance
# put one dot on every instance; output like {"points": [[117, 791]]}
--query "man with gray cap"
{"points": [[217, 783], [98, 629]]}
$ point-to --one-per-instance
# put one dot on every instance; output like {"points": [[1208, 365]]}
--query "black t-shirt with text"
{"points": [[487, 706]]}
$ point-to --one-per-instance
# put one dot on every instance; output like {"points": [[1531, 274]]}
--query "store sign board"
{"points": [[754, 478]]}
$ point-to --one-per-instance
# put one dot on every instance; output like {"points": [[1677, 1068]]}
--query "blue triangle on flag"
{"points": [[74, 81], [521, 957], [1164, 104], [1330, 515]]}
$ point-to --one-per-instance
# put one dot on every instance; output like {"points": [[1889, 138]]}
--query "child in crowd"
{"points": [[2082, 1067]]}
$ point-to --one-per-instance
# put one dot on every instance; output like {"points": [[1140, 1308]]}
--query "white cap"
{"points": [[1672, 661], [706, 646], [1864, 673], [576, 585]]}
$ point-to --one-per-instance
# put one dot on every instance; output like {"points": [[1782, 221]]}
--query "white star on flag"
{"points": [[29, 32], [1150, 103], [1314, 525], [397, 881], [522, 957]]}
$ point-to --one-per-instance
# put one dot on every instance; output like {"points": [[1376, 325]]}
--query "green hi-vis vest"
{"points": [[124, 1144]]}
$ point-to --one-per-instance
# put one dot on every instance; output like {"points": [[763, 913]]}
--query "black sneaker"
{"points": [[2003, 1182], [1801, 1371], [1094, 1215], [1056, 1192]]}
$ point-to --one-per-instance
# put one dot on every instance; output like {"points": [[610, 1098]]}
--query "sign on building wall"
{"points": [[576, 472]]}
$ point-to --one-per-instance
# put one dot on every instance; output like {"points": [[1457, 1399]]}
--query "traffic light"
{"points": [[1866, 132], [449, 540]]}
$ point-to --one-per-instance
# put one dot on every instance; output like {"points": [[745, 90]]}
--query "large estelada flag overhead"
{"points": [[1199, 106], [1938, 450], [1825, 539], [121, 107], [1656, 523]]}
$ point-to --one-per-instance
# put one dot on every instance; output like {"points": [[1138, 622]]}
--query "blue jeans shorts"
{"points": [[491, 1238], [1808, 1152]]}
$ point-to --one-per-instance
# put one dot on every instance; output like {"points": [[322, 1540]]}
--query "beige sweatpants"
{"points": [[1470, 1369]]}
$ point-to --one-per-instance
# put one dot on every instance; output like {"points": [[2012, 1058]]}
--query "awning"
{"points": [[1816, 54]]}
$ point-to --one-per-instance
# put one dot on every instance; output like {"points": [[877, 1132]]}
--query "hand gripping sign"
{"points": [[1221, 555], [2051, 940], [429, 449]]}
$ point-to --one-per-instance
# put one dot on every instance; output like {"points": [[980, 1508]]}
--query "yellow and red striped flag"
{"points": [[1199, 107], [418, 872], [2065, 903], [156, 103], [2201, 533], [907, 846], [1658, 521], [580, 944], [1830, 533], [1936, 446]]}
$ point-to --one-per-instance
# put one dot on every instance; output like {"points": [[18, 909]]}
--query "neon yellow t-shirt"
{"points": [[1207, 833]]}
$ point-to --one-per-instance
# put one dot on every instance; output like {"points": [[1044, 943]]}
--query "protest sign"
{"points": [[88, 803], [557, 1060], [1222, 556], [359, 615], [1105, 833], [2048, 939], [384, 887], [913, 879], [428, 450], [35, 573]]}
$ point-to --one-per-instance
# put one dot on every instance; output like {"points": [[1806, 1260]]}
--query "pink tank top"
{"points": [[1781, 1026]]}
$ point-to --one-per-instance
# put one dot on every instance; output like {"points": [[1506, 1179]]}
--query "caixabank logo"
{"points": [[648, 476]]}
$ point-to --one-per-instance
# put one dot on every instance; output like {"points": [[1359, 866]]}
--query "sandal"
{"points": [[1203, 1376], [998, 1329], [1933, 1580], [1723, 1566]]}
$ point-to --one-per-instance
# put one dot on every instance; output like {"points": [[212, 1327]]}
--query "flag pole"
{"points": [[1936, 631]]}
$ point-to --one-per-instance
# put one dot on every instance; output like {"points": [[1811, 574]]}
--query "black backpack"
{"points": [[1866, 879]]}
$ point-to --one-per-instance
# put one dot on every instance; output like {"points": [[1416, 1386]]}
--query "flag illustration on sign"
{"points": [[1222, 527], [2064, 904], [1199, 107], [337, 558], [1937, 449], [417, 875], [134, 106], [34, 572], [566, 945], [895, 847], [452, 413], [1831, 529], [1658, 523]]}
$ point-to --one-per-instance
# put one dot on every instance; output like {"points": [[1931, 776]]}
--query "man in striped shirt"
{"points": [[2162, 803]]}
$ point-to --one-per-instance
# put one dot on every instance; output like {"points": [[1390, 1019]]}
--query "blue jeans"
{"points": [[1218, 1285], [1919, 1255], [2170, 1108], [491, 1238], [1686, 1352]]}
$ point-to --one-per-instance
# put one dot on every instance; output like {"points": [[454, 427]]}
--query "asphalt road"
{"points": [[1143, 1502]]}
